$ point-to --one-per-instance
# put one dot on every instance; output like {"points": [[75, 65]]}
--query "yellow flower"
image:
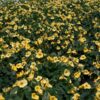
{"points": [[1, 97], [97, 65], [55, 59], [76, 60], [97, 79], [83, 57], [21, 83], [6, 89], [19, 65], [38, 89], [13, 67], [76, 96], [28, 54], [86, 85], [62, 77], [86, 50], [64, 59], [35, 96], [1, 40], [20, 74], [12, 23], [39, 54], [80, 65], [25, 44], [45, 83], [15, 27], [86, 72], [69, 17], [82, 39], [58, 48], [33, 66], [53, 24], [31, 76], [77, 74], [39, 40], [53, 98], [58, 41], [73, 90], [97, 95], [38, 78], [71, 63], [66, 72], [27, 72], [49, 58]]}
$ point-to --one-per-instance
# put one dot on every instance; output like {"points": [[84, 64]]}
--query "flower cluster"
{"points": [[50, 50]]}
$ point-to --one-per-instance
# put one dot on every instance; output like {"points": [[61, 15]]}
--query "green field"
{"points": [[49, 50]]}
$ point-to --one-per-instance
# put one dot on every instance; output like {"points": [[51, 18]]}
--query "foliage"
{"points": [[50, 50]]}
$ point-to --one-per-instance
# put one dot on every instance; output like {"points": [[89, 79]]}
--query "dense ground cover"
{"points": [[50, 50]]}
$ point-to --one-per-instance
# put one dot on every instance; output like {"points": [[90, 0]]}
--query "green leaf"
{"points": [[45, 96], [14, 91]]}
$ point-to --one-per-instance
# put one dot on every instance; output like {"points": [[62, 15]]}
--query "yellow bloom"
{"points": [[64, 59], [97, 65], [27, 72], [28, 54], [38, 89], [86, 85], [55, 59], [45, 83], [73, 90], [53, 24], [86, 50], [62, 77], [6, 89], [35, 96], [39, 40], [1, 97], [98, 87], [97, 95], [58, 41], [20, 74], [21, 83], [33, 66], [19, 65], [50, 58], [76, 60], [82, 39], [66, 72], [71, 63], [80, 65], [12, 23], [1, 40], [58, 48], [77, 74], [69, 17], [76, 96], [15, 27], [39, 54], [25, 44], [53, 98], [38, 78], [86, 72], [83, 57], [13, 67], [25, 27], [31, 76]]}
